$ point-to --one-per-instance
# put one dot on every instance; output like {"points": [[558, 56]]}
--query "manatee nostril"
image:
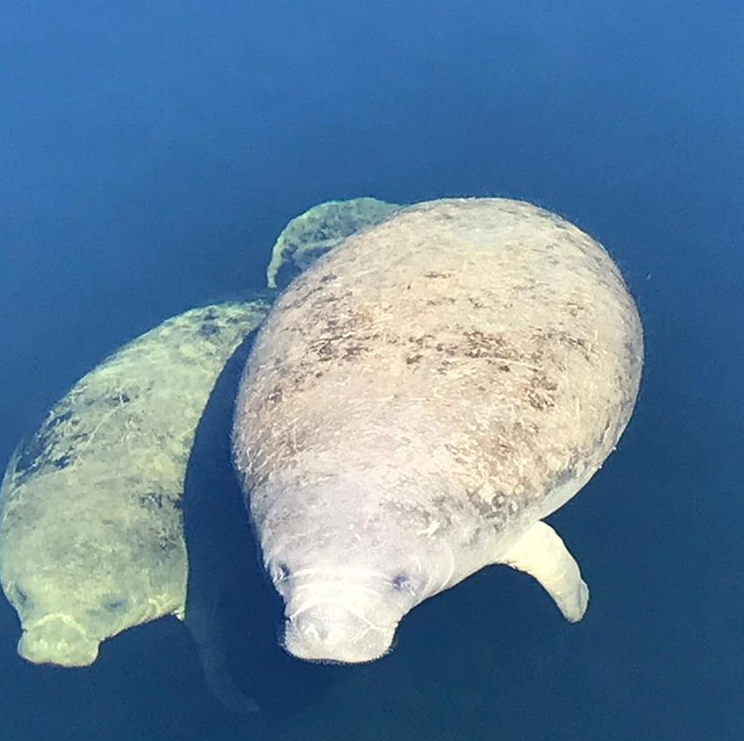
{"points": [[320, 631], [402, 583], [310, 630], [326, 625], [281, 572]]}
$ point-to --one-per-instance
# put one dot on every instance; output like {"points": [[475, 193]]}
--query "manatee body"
{"points": [[418, 401], [91, 528]]}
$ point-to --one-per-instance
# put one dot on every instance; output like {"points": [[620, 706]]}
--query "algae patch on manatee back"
{"points": [[91, 529]]}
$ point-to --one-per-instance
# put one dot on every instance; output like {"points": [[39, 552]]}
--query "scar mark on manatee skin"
{"points": [[444, 300]]}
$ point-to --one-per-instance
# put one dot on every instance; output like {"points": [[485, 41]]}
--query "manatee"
{"points": [[91, 531], [418, 402]]}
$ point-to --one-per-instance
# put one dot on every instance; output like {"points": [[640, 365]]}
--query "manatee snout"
{"points": [[334, 634], [58, 641]]}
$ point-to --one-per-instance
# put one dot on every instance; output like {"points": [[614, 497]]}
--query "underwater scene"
{"points": [[372, 371]]}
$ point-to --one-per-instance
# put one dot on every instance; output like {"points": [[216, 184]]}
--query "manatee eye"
{"points": [[402, 583], [281, 572], [18, 596], [114, 605]]}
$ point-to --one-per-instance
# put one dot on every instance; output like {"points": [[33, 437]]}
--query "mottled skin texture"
{"points": [[422, 396], [91, 529]]}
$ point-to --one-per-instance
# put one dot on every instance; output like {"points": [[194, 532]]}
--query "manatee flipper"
{"points": [[541, 553], [202, 621]]}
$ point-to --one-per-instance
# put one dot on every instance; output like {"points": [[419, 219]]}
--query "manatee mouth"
{"points": [[59, 640], [330, 633]]}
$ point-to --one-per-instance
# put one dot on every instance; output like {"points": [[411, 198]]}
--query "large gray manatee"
{"points": [[415, 405]]}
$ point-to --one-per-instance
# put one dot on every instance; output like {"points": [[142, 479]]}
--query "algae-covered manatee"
{"points": [[91, 532]]}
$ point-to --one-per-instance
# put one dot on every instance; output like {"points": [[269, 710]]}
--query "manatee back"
{"points": [[484, 349]]}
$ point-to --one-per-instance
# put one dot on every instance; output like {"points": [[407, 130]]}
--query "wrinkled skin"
{"points": [[345, 588]]}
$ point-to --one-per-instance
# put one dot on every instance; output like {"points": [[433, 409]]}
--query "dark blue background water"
{"points": [[151, 152]]}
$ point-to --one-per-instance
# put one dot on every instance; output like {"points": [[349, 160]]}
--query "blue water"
{"points": [[151, 152]]}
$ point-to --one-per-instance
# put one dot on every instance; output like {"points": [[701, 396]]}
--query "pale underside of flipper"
{"points": [[541, 553]]}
